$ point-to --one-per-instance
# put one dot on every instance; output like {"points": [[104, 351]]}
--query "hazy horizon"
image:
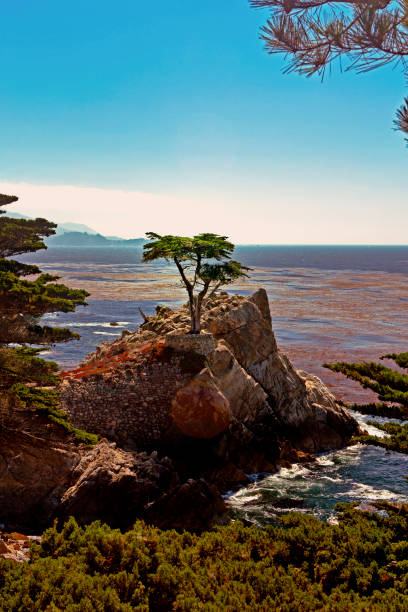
{"points": [[116, 212]]}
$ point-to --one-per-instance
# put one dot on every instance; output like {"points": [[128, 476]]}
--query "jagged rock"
{"points": [[34, 471], [14, 546], [114, 485], [246, 396], [194, 505], [45, 475]]}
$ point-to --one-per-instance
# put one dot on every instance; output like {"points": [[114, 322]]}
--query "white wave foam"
{"points": [[363, 419], [106, 333], [238, 500], [331, 479], [363, 491], [325, 460], [295, 471]]}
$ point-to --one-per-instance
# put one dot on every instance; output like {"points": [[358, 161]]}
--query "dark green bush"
{"points": [[391, 411], [300, 564]]}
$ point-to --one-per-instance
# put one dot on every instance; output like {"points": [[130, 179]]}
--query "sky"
{"points": [[170, 117]]}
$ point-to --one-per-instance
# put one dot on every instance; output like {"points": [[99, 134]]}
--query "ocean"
{"points": [[328, 303]]}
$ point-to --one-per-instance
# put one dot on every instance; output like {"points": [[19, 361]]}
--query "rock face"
{"points": [[44, 475], [15, 546]]}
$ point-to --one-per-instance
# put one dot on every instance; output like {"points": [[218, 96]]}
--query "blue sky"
{"points": [[169, 116]]}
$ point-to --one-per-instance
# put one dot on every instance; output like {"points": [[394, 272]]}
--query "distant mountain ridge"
{"points": [[78, 239], [70, 234], [64, 228]]}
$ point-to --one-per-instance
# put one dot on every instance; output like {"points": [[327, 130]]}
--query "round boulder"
{"points": [[201, 411]]}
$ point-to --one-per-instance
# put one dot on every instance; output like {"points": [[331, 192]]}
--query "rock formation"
{"points": [[182, 418], [236, 360], [45, 475]]}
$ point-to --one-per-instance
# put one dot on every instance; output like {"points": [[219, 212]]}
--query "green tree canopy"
{"points": [[204, 263], [363, 34], [23, 302], [25, 296]]}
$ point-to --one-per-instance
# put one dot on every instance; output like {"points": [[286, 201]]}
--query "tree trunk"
{"points": [[195, 312], [197, 320]]}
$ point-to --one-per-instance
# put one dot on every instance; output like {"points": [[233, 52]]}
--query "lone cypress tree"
{"points": [[25, 296], [204, 264]]}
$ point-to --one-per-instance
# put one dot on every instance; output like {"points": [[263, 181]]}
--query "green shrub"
{"points": [[392, 411], [298, 564]]}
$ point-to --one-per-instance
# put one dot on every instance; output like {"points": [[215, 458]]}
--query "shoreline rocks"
{"points": [[16, 546]]}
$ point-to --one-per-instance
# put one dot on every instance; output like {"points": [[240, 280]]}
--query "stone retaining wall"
{"points": [[203, 344], [130, 406]]}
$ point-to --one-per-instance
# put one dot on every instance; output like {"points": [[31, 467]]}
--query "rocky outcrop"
{"points": [[15, 546], [183, 417], [45, 475], [239, 360], [308, 413]]}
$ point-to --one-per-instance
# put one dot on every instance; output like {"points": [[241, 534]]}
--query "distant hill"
{"points": [[64, 228], [83, 239], [14, 215], [70, 234]]}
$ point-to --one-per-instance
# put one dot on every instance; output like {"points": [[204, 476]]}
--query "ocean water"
{"points": [[357, 473], [328, 304]]}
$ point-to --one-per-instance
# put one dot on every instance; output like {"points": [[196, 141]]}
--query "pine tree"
{"points": [[390, 386], [25, 296]]}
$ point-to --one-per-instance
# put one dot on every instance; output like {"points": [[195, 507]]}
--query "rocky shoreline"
{"points": [[181, 420]]}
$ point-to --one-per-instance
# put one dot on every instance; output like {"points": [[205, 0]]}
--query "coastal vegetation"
{"points": [[397, 439], [391, 387], [299, 563], [360, 35], [204, 264], [25, 296]]}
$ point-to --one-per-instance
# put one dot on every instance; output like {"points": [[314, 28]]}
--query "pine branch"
{"points": [[363, 34]]}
